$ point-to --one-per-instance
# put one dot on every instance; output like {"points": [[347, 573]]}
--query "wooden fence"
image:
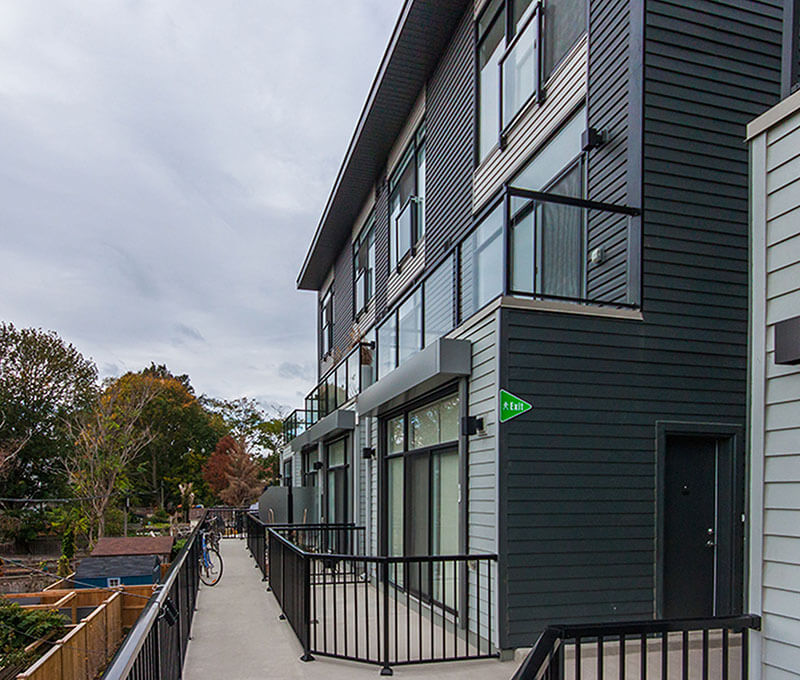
{"points": [[85, 650]]}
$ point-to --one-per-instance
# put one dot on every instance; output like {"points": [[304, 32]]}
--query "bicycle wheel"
{"points": [[210, 567]]}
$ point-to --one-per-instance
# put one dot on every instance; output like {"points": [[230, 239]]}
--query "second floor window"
{"points": [[364, 266], [511, 60], [326, 322], [407, 200]]}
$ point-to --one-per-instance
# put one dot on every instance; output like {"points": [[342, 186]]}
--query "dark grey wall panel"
{"points": [[607, 166], [578, 471], [450, 145], [343, 302], [381, 252]]}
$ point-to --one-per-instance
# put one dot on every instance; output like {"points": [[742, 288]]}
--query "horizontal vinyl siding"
{"points": [[779, 296], [481, 493], [565, 90], [579, 468], [410, 271], [450, 144]]}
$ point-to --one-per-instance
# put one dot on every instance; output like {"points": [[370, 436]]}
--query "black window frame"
{"points": [[365, 239], [342, 469], [410, 155], [326, 312]]}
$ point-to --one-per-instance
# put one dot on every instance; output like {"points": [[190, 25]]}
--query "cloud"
{"points": [[164, 168]]}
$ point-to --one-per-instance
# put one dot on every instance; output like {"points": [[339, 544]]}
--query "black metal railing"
{"points": [[229, 520], [387, 611], [256, 533], [709, 648], [156, 645]]}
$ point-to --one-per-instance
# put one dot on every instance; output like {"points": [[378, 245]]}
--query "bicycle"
{"points": [[210, 559]]}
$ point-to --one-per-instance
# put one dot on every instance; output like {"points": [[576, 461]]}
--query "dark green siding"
{"points": [[578, 471]]}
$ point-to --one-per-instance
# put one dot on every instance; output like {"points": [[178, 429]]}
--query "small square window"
{"points": [[114, 581]]}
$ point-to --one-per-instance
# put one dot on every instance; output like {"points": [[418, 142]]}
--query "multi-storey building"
{"points": [[544, 205]]}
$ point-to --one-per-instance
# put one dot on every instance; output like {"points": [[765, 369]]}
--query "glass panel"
{"points": [[439, 301], [353, 371], [341, 384], [404, 225], [370, 281], [448, 419], [522, 249], [396, 438], [444, 522], [482, 264], [361, 296], [387, 346], [564, 23], [369, 366], [410, 326], [562, 240], [519, 13], [395, 505], [520, 72], [417, 533], [330, 392], [336, 453], [489, 53], [403, 186], [564, 148], [423, 426]]}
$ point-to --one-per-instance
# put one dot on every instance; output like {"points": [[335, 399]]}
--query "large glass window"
{"points": [[564, 24], [482, 264], [337, 486], [308, 458], [387, 346], [508, 36], [326, 322], [422, 493], [364, 266], [406, 200], [409, 326], [439, 301], [369, 364], [547, 239]]}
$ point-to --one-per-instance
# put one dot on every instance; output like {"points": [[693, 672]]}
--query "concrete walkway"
{"points": [[237, 635]]}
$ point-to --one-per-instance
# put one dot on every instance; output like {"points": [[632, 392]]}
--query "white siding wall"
{"points": [[775, 416], [482, 457]]}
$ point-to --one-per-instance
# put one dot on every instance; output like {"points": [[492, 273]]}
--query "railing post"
{"points": [[306, 609], [387, 669]]}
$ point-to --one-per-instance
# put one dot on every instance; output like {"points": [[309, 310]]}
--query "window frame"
{"points": [[326, 323], [410, 155], [365, 239]]}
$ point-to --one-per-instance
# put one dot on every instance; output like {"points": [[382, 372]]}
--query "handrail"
{"points": [[128, 652], [536, 663]]}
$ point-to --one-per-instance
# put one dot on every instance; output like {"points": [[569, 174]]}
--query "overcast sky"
{"points": [[164, 166]]}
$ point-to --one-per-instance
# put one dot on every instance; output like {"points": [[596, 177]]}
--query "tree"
{"points": [[108, 440], [43, 381], [247, 418], [215, 469], [244, 477], [184, 435]]}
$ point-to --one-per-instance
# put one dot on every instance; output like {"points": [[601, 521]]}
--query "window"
{"points": [[409, 326], [114, 581], [422, 493], [337, 487], [439, 301], [287, 473], [407, 200], [548, 239], [369, 363], [364, 266], [387, 345], [326, 322], [482, 264], [308, 459], [511, 61]]}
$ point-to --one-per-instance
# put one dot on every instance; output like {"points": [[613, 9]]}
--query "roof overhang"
{"points": [[419, 38]]}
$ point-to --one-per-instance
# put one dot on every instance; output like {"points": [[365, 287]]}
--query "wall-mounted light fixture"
{"points": [[367, 452], [318, 465], [471, 425], [592, 138]]}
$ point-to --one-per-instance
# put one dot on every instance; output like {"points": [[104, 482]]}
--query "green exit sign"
{"points": [[512, 406]]}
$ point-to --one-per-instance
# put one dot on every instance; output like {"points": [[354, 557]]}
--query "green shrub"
{"points": [[115, 522], [20, 627]]}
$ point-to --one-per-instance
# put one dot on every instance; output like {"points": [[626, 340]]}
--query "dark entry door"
{"points": [[690, 526]]}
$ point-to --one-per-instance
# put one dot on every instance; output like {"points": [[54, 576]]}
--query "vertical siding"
{"points": [[482, 460], [450, 143], [776, 396]]}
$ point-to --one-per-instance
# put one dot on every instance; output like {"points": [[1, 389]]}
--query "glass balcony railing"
{"points": [[352, 374]]}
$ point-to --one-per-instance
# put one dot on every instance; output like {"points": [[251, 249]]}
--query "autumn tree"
{"points": [[108, 439], [244, 477], [215, 469], [43, 381]]}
